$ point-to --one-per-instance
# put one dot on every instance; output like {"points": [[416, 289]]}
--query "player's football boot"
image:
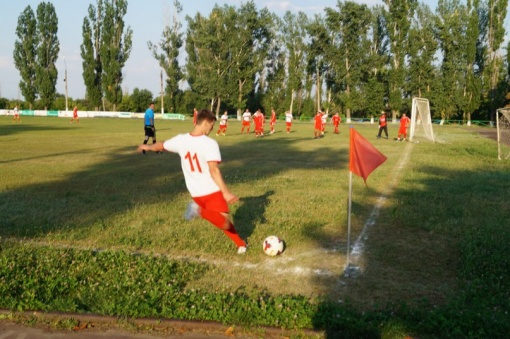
{"points": [[192, 211]]}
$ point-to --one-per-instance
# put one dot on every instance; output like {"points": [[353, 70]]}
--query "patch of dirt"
{"points": [[490, 133]]}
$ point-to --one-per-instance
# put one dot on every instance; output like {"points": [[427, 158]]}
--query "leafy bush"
{"points": [[117, 283]]}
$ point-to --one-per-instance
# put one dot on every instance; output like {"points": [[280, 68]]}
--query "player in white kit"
{"points": [[200, 156]]}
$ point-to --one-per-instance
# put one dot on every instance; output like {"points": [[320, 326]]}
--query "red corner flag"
{"points": [[363, 156]]}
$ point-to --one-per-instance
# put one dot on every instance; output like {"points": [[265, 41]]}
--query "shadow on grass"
{"points": [[19, 128], [432, 254], [251, 212], [49, 156], [126, 180]]}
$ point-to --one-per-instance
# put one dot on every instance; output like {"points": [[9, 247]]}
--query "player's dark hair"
{"points": [[205, 114]]}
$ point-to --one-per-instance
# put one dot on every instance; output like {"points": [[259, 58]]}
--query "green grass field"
{"points": [[89, 225]]}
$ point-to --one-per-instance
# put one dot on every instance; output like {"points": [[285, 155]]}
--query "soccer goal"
{"points": [[503, 128], [421, 121]]}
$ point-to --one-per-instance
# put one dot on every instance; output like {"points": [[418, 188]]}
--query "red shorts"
{"points": [[213, 202], [246, 123]]}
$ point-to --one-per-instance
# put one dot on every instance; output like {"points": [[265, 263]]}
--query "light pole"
{"points": [[161, 92], [65, 80]]}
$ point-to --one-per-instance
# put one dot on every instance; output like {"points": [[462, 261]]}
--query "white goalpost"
{"points": [[503, 131], [421, 120]]}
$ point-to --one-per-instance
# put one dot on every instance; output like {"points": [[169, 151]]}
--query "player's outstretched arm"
{"points": [[157, 147], [218, 179]]}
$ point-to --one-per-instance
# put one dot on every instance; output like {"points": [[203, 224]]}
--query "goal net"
{"points": [[503, 127], [421, 121]]}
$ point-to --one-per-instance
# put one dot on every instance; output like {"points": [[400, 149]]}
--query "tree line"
{"points": [[353, 58]]}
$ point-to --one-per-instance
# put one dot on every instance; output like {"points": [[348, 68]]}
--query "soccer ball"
{"points": [[272, 245]]}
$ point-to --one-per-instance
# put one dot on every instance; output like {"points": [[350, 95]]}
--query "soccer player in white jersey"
{"points": [[223, 124], [200, 156], [288, 121], [324, 120], [246, 121]]}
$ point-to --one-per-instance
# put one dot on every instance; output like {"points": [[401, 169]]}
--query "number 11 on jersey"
{"points": [[193, 159]]}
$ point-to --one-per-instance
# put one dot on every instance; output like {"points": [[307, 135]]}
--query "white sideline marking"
{"points": [[359, 244]]}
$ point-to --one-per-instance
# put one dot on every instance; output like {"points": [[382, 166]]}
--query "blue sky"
{"points": [[147, 19]]}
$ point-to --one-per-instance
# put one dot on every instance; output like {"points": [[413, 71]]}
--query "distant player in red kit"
{"points": [[272, 121], [262, 123], [200, 156], [382, 125], [75, 115], [258, 120], [246, 121], [223, 124], [335, 120], [404, 123], [317, 125], [195, 112]]}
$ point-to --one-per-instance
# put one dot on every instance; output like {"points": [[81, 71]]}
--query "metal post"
{"points": [[65, 80], [161, 84]]}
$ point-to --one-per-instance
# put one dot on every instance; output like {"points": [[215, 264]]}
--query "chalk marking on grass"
{"points": [[359, 245]]}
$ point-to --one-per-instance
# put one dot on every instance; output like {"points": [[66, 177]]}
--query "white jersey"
{"points": [[288, 117], [195, 153], [324, 118], [246, 116], [223, 120]]}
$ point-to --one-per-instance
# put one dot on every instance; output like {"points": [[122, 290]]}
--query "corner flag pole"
{"points": [[349, 224], [363, 159]]}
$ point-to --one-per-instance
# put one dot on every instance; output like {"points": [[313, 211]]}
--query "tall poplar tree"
{"points": [[422, 50], [374, 70], [167, 55], [294, 36], [398, 20], [497, 10], [90, 53], [25, 50], [317, 62], [473, 83], [115, 48], [274, 96], [508, 63], [351, 24], [209, 45], [47, 53], [249, 50], [450, 25], [507, 97]]}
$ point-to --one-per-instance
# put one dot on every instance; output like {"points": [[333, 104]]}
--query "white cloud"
{"points": [[283, 6]]}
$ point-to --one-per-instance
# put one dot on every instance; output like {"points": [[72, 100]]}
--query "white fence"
{"points": [[90, 114]]}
